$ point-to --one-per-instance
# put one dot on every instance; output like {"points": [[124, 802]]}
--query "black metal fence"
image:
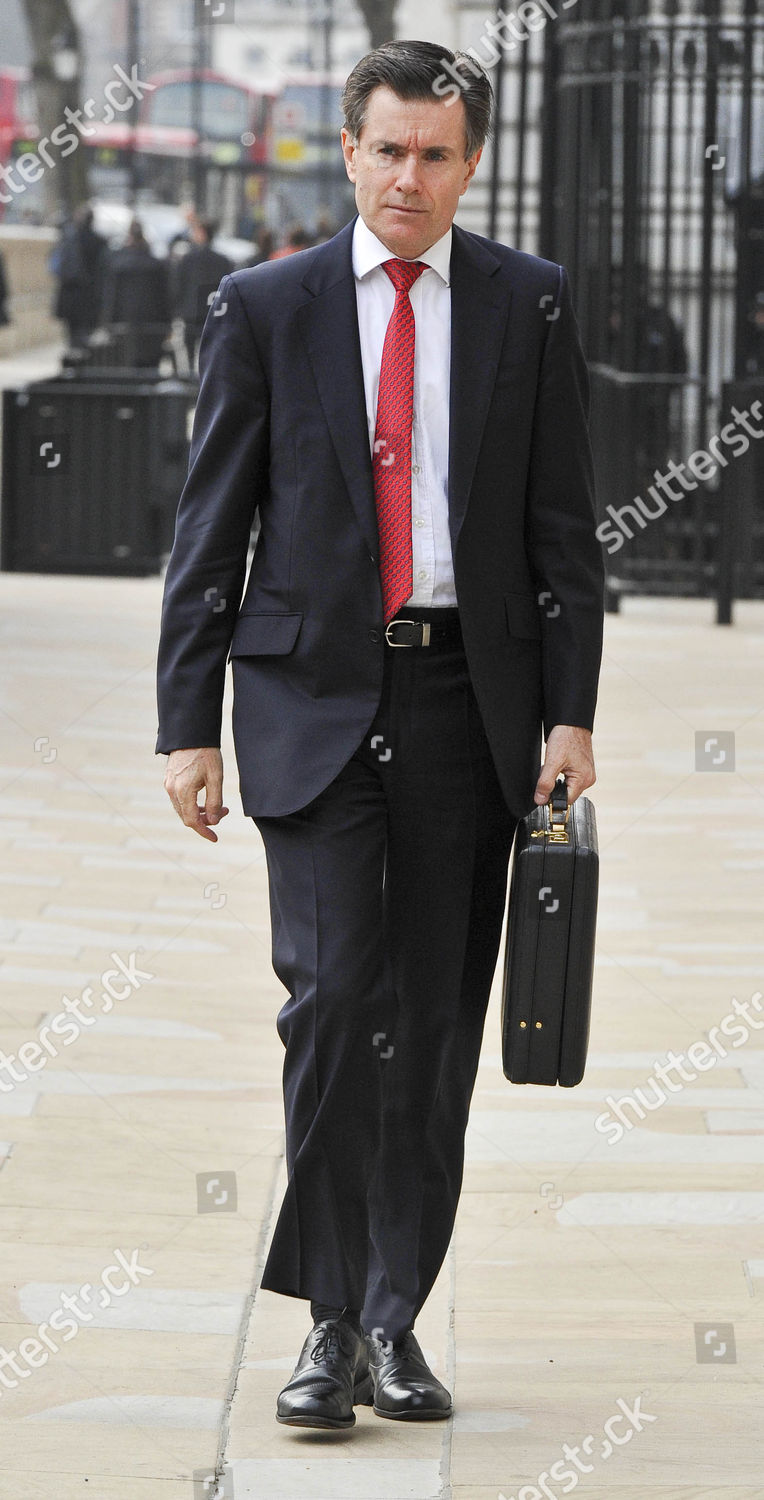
{"points": [[653, 197]]}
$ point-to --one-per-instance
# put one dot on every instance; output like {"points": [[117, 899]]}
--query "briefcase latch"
{"points": [[557, 832]]}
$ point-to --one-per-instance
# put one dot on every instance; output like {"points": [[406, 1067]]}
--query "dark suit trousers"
{"points": [[387, 896]]}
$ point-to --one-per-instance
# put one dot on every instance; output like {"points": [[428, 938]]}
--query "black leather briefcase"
{"points": [[549, 958]]}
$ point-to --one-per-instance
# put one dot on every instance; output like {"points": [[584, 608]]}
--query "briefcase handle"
{"points": [[556, 830], [559, 811], [555, 825]]}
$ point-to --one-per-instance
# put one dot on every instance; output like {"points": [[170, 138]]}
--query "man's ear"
{"points": [[471, 166], [348, 151]]}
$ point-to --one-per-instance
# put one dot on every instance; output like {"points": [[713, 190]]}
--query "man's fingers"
{"points": [[574, 782], [545, 783], [213, 801], [188, 773], [568, 754], [198, 818], [554, 765], [191, 813], [201, 828], [208, 819]]}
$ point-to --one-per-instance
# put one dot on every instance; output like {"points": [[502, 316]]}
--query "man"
{"points": [[197, 276], [406, 406], [80, 258], [136, 301]]}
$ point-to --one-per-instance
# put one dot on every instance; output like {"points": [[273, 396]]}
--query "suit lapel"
{"points": [[330, 329], [479, 311]]}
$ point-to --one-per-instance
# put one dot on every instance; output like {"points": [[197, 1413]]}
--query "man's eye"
{"points": [[393, 151]]}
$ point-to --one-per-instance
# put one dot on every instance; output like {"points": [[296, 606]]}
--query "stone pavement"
{"points": [[38, 363], [605, 1286]]}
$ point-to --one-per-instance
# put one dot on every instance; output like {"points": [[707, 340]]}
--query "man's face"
{"points": [[409, 169]]}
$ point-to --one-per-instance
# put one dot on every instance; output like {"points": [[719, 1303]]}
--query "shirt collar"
{"points": [[369, 252]]}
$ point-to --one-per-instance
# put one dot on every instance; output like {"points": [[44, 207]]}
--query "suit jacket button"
{"points": [[375, 636]]}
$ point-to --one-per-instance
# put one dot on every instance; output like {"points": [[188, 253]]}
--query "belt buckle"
{"points": [[424, 626]]}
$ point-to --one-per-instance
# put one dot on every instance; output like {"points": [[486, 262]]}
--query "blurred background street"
{"points": [[610, 1240]]}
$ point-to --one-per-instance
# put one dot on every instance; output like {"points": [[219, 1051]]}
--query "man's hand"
{"points": [[188, 771], [568, 750]]}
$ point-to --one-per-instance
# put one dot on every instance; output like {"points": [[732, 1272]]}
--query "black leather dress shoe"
{"points": [[404, 1385], [330, 1377]]}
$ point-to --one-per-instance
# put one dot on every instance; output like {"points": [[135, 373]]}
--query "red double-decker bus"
{"points": [[18, 135], [264, 155], [182, 117], [231, 114]]}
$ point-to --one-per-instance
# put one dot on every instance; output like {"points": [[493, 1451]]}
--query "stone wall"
{"points": [[26, 251]]}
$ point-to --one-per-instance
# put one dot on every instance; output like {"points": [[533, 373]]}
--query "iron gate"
{"points": [[653, 197]]}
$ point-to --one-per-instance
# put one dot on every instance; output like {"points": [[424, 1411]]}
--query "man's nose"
{"points": [[407, 180]]}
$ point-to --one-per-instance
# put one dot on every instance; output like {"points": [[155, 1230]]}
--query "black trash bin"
{"points": [[126, 350], [92, 474]]}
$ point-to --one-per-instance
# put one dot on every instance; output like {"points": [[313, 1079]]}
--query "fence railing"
{"points": [[679, 513]]}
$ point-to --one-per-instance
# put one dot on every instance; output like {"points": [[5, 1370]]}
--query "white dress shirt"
{"points": [[433, 572]]}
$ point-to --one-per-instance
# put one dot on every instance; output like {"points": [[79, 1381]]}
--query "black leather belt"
{"points": [[433, 627]]}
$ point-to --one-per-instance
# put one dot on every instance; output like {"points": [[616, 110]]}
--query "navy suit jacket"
{"points": [[281, 429]]}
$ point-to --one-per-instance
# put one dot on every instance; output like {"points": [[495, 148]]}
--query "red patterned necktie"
{"points": [[391, 464]]}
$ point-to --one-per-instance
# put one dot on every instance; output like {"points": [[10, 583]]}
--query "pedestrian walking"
{"points": [[198, 274], [79, 264], [136, 302], [406, 406]]}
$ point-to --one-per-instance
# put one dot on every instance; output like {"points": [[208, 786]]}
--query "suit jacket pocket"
{"points": [[523, 616], [265, 634]]}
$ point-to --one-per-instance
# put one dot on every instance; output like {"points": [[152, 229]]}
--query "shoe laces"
{"points": [[329, 1345], [403, 1349]]}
